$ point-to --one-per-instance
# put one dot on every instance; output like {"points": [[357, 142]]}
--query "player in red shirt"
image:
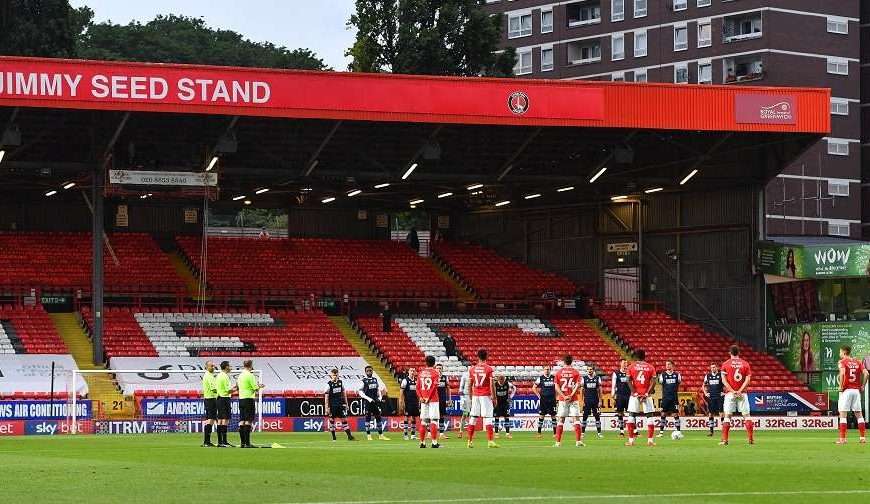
{"points": [[738, 374], [482, 397], [568, 382], [642, 382], [852, 379], [430, 412]]}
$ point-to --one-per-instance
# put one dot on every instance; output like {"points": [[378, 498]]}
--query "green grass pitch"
{"points": [[793, 467]]}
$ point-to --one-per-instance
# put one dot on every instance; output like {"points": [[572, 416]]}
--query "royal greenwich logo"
{"points": [[755, 108], [781, 111]]}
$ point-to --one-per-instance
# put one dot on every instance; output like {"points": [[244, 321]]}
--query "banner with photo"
{"points": [[824, 261], [31, 373]]}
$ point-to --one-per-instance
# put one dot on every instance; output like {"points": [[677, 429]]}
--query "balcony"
{"points": [[743, 69], [583, 13], [744, 27], [584, 52]]}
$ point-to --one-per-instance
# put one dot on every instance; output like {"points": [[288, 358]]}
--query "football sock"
{"points": [[471, 430], [332, 429], [710, 424], [578, 432], [726, 426], [559, 429], [621, 422], [630, 424], [433, 429], [207, 436], [662, 422], [598, 423], [489, 432], [421, 430], [862, 428], [380, 427], [507, 425], [540, 424], [677, 423], [368, 424], [750, 428], [843, 427], [650, 431]]}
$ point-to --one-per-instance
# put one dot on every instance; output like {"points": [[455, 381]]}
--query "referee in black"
{"points": [[209, 396]]}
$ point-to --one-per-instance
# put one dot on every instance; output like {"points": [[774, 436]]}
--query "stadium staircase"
{"points": [[190, 280], [366, 353], [462, 294], [596, 326], [101, 387]]}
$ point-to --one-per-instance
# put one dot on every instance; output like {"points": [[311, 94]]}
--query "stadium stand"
{"points": [[28, 330], [328, 267], [491, 276], [62, 262], [692, 348], [167, 333]]}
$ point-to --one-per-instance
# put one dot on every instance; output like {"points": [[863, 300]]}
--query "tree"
{"points": [[44, 28], [182, 39], [432, 37]]}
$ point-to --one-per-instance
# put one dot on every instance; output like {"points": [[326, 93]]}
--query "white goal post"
{"points": [[193, 383]]}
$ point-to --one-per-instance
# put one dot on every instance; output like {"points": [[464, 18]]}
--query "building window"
{"points": [[744, 68], [618, 77], [617, 10], [681, 73], [838, 187], [586, 51], [838, 25], [640, 8], [704, 3], [743, 27], [519, 25], [705, 72], [705, 33], [838, 228], [618, 47], [546, 59], [524, 62], [546, 21], [838, 66], [838, 147], [681, 38], [640, 44], [583, 13], [680, 5], [640, 75], [839, 107]]}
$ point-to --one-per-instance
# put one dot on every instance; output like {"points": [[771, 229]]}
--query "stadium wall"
{"points": [[713, 234]]}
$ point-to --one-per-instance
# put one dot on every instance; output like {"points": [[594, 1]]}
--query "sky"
{"points": [[319, 25]]}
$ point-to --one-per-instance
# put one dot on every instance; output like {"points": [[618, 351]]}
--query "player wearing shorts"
{"points": [[670, 380], [209, 397], [738, 375], [851, 379], [591, 399], [427, 395], [642, 382], [504, 392], [482, 396], [225, 390], [620, 392], [443, 400], [410, 403], [335, 400], [714, 391], [464, 402], [373, 395], [568, 383], [545, 388], [248, 389]]}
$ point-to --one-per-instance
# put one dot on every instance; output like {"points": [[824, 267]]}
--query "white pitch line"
{"points": [[592, 497]]}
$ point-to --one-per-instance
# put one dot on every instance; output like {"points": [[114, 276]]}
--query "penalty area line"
{"points": [[534, 498]]}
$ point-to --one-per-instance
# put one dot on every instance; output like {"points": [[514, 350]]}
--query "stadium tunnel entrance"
{"points": [[592, 180]]}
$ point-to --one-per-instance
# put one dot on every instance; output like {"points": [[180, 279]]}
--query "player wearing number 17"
{"points": [[641, 380], [737, 377], [852, 378], [430, 412], [482, 397]]}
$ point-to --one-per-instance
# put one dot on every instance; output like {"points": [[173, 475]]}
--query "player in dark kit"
{"points": [[591, 399], [443, 398], [411, 404], [504, 392], [620, 391], [714, 391], [371, 392], [670, 380], [335, 399], [545, 388]]}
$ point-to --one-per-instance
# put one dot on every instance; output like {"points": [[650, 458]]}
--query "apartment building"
{"points": [[807, 43]]}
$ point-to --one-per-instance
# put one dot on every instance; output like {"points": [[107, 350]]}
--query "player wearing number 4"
{"points": [[567, 392], [737, 377], [430, 412], [852, 379], [482, 397], [641, 380]]}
